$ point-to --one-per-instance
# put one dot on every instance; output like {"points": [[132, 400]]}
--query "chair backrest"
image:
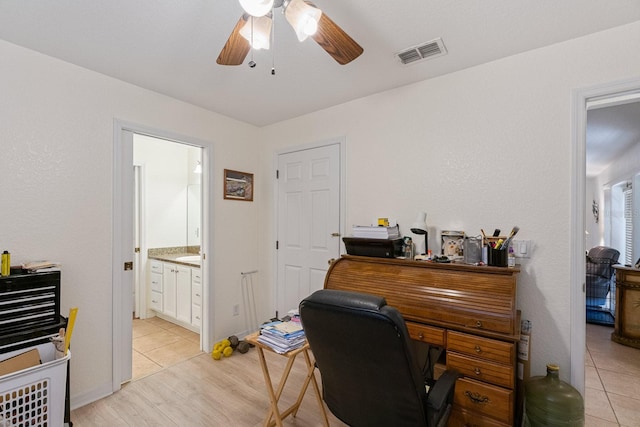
{"points": [[362, 349]]}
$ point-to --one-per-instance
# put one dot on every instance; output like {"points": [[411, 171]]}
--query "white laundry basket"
{"points": [[34, 397]]}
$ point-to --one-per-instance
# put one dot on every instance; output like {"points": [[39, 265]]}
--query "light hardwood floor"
{"points": [[199, 391]]}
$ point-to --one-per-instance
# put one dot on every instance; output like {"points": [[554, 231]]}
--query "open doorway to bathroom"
{"points": [[167, 292]]}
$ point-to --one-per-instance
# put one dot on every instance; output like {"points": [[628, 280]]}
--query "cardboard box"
{"points": [[438, 370], [19, 362]]}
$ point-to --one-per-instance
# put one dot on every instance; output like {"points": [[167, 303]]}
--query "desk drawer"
{"points": [[462, 418], [479, 369], [486, 348], [427, 334], [492, 401]]}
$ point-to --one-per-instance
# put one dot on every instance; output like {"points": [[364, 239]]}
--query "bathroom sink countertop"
{"points": [[191, 260]]}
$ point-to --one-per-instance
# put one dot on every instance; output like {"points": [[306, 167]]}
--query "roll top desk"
{"points": [[469, 311]]}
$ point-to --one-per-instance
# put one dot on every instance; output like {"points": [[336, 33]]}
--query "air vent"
{"points": [[428, 50]]}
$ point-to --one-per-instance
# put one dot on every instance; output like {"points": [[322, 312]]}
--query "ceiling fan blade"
{"points": [[336, 42], [236, 48]]}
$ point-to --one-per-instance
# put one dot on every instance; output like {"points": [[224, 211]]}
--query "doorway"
{"points": [[123, 244], [581, 98], [310, 218], [166, 327]]}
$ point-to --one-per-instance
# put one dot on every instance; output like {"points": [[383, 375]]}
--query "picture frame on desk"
{"points": [[238, 185]]}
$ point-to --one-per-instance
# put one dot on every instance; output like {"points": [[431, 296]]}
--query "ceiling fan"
{"points": [[254, 30]]}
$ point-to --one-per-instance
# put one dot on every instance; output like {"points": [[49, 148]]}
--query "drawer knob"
{"points": [[477, 371], [421, 335], [477, 398], [478, 349], [478, 324]]}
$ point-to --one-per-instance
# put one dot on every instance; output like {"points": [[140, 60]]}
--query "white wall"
{"points": [[56, 166], [482, 148], [167, 174], [487, 147]]}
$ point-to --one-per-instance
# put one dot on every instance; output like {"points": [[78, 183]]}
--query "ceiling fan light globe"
{"points": [[261, 37], [257, 8], [310, 27], [303, 18]]}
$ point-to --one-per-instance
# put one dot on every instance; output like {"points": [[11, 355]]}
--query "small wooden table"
{"points": [[627, 322], [275, 416]]}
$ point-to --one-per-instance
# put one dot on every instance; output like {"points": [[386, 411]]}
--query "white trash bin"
{"points": [[34, 397]]}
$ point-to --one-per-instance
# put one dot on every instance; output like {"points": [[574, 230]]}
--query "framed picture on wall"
{"points": [[238, 185]]}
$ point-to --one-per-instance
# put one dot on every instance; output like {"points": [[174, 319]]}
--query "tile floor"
{"points": [[158, 344], [612, 392]]}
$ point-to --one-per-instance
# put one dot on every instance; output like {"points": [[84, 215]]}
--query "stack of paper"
{"points": [[282, 337], [41, 266], [376, 232]]}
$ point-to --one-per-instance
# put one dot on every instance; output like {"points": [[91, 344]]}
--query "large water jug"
{"points": [[552, 402]]}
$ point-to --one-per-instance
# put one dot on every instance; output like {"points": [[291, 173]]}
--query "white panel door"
{"points": [[308, 222]]}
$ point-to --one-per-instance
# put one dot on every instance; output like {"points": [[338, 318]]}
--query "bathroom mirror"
{"points": [[193, 215]]}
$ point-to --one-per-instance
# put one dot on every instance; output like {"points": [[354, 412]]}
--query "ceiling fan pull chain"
{"points": [[273, 49], [252, 63]]}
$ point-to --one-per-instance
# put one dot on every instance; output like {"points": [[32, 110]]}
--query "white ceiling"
{"points": [[171, 46]]}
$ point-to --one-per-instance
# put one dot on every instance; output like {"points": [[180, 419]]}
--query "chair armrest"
{"points": [[442, 391]]}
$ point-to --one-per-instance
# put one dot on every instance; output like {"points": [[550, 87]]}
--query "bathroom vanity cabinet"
{"points": [[196, 297], [175, 293]]}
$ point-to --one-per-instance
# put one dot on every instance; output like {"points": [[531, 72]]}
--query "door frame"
{"points": [[140, 258], [578, 187], [342, 143], [122, 221]]}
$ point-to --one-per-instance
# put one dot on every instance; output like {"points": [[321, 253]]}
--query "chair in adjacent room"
{"points": [[369, 373]]}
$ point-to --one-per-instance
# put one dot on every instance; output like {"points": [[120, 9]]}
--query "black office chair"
{"points": [[364, 354]]}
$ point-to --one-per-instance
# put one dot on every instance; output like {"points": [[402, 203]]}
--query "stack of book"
{"points": [[376, 232], [282, 337]]}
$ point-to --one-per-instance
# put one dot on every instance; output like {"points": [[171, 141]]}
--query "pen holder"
{"points": [[498, 257]]}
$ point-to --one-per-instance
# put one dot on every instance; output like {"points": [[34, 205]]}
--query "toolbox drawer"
{"points": [[28, 301]]}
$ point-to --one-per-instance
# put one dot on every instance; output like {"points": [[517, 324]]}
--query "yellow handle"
{"points": [[67, 337]]}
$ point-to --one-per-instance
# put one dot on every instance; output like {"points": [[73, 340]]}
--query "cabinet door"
{"points": [[183, 293], [169, 289]]}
